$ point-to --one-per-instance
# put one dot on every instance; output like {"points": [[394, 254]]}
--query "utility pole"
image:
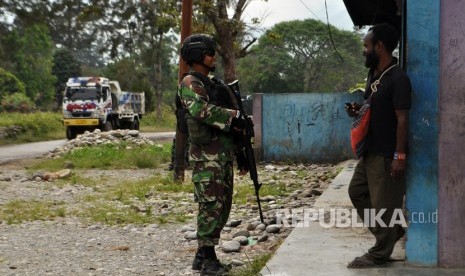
{"points": [[181, 138]]}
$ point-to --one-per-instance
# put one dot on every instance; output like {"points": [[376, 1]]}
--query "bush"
{"points": [[150, 122], [17, 102], [10, 84], [36, 126]]}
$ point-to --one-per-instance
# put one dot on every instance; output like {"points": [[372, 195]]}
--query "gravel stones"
{"points": [[70, 246], [97, 137]]}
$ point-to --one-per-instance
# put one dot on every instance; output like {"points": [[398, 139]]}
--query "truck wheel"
{"points": [[108, 126], [70, 133], [135, 125]]}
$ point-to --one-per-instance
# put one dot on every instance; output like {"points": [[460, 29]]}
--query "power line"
{"points": [[314, 14], [327, 23], [330, 34]]}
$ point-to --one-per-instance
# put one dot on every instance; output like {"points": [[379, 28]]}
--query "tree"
{"points": [[131, 77], [298, 56], [7, 49], [159, 17], [138, 30], [34, 57], [99, 32], [231, 32], [65, 66], [27, 12], [72, 27]]}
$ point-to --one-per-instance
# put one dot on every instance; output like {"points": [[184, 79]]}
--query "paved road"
{"points": [[37, 149]]}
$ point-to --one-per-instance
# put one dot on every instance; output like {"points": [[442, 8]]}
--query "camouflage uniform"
{"points": [[212, 163]]}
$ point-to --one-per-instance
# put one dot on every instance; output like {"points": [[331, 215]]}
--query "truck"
{"points": [[96, 102]]}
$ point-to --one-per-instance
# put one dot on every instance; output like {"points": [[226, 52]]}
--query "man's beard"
{"points": [[371, 60], [210, 68]]}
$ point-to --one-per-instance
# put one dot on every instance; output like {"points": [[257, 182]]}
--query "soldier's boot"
{"points": [[198, 260], [212, 267], [200, 257]]}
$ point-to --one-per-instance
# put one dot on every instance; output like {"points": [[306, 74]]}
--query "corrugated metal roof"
{"points": [[371, 12]]}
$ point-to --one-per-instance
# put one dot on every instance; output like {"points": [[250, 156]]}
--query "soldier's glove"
{"points": [[242, 162], [238, 123]]}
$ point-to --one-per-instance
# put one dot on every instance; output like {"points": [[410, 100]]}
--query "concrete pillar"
{"points": [[436, 179], [452, 135], [422, 49]]}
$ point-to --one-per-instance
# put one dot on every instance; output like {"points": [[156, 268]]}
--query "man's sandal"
{"points": [[365, 261]]}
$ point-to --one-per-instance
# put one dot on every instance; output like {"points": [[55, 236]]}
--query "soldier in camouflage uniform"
{"points": [[211, 128]]}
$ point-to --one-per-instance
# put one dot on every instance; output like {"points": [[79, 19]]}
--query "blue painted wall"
{"points": [[306, 126], [423, 18]]}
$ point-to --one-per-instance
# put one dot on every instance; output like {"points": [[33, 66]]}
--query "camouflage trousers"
{"points": [[213, 190]]}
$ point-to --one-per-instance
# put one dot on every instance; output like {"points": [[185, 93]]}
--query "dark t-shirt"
{"points": [[394, 92]]}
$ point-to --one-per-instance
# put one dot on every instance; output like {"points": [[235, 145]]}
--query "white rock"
{"points": [[190, 235], [187, 228], [270, 168], [273, 228], [231, 246], [243, 240]]}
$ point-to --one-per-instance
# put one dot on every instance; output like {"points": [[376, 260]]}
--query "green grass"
{"points": [[109, 213], [44, 126], [244, 191], [151, 123], [18, 211], [110, 203], [110, 156], [76, 179], [110, 206], [254, 267], [127, 190]]}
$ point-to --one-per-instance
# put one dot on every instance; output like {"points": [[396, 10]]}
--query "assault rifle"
{"points": [[249, 135]]}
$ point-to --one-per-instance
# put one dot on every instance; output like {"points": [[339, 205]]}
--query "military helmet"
{"points": [[196, 46]]}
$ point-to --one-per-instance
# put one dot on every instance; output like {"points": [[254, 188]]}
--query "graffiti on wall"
{"points": [[306, 125]]}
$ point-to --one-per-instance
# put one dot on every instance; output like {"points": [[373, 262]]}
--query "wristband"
{"points": [[399, 156], [238, 114]]}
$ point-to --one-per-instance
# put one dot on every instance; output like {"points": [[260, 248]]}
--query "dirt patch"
{"points": [[19, 164]]}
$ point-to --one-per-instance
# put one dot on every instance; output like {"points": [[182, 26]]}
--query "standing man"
{"points": [[212, 126], [378, 183]]}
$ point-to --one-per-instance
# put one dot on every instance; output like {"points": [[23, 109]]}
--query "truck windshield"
{"points": [[81, 93]]}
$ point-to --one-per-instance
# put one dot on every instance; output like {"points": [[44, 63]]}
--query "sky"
{"points": [[275, 11]]}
